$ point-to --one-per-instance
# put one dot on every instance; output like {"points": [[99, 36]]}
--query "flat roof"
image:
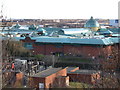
{"points": [[71, 68], [47, 72], [85, 72]]}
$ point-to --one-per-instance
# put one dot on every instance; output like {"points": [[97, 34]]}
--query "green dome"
{"points": [[91, 23]]}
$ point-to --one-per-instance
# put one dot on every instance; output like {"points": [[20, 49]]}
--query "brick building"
{"points": [[97, 48], [50, 78], [86, 76]]}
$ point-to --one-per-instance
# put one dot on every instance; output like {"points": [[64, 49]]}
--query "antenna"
{"points": [[1, 12]]}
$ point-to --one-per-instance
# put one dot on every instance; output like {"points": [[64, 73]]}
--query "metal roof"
{"points": [[97, 41], [50, 30], [73, 31], [107, 32], [115, 39]]}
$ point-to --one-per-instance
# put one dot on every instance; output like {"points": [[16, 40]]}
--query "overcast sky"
{"points": [[60, 9]]}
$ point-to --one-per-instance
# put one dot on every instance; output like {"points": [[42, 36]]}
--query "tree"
{"points": [[110, 70], [10, 50], [50, 59], [14, 48], [39, 57]]}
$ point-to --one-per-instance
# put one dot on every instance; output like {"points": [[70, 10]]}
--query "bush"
{"points": [[39, 56]]}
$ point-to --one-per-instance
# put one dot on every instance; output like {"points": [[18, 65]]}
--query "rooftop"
{"points": [[85, 72], [71, 68], [91, 23], [47, 72]]}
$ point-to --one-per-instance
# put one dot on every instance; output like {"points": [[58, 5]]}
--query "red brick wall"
{"points": [[34, 81], [85, 78], [62, 81], [84, 50], [52, 49], [39, 49], [67, 49], [49, 81]]}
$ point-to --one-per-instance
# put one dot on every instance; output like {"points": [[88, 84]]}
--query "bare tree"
{"points": [[110, 74]]}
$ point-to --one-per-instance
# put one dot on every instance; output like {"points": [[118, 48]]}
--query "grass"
{"points": [[78, 85]]}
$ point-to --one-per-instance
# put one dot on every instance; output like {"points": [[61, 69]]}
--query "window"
{"points": [[28, 45], [116, 21]]}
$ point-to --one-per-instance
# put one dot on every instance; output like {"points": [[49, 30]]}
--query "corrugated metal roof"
{"points": [[115, 39], [74, 31], [98, 41]]}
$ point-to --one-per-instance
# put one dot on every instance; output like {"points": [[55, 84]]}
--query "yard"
{"points": [[79, 85]]}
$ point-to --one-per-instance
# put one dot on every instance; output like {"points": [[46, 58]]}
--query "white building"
{"points": [[114, 22]]}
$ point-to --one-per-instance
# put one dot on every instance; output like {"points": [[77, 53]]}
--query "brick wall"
{"points": [[83, 50], [85, 78], [34, 81], [62, 81], [49, 81]]}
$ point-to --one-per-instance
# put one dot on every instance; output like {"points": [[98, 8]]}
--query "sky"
{"points": [[60, 9]]}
